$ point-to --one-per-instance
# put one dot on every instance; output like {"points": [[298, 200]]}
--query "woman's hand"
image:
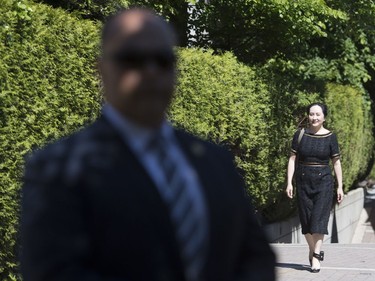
{"points": [[338, 172], [289, 191], [340, 195]]}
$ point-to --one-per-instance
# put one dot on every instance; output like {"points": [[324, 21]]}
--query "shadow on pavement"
{"points": [[334, 232], [295, 266]]}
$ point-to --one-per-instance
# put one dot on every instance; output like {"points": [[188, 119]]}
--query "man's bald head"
{"points": [[128, 22], [138, 64]]}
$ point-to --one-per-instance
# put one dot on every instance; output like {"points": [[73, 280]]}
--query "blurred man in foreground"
{"points": [[130, 198]]}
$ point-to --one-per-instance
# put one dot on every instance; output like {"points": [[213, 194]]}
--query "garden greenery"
{"points": [[49, 88]]}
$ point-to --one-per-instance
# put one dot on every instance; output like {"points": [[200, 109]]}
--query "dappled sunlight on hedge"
{"points": [[48, 88]]}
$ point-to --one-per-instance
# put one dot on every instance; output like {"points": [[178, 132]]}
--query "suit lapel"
{"points": [[130, 163], [220, 198], [204, 164], [141, 183]]}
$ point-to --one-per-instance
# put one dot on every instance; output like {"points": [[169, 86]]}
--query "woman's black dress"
{"points": [[314, 179]]}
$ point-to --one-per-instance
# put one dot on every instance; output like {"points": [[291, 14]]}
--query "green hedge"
{"points": [[222, 100], [350, 117], [227, 102], [48, 87]]}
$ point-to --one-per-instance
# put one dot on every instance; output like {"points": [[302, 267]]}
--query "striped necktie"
{"points": [[187, 222]]}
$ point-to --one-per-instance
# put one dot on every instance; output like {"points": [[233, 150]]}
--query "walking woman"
{"points": [[312, 148]]}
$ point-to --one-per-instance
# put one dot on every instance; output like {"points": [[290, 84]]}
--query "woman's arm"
{"points": [[338, 172], [291, 168]]}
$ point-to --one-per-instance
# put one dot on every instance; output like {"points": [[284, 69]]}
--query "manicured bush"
{"points": [[255, 114], [371, 174], [222, 100], [350, 117], [289, 97], [48, 88], [227, 102]]}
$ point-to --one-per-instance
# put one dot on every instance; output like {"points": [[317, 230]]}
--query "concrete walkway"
{"points": [[342, 262], [369, 223]]}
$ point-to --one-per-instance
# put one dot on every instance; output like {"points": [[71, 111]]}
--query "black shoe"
{"points": [[319, 257]]}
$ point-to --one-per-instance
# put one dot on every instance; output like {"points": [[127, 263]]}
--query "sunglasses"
{"points": [[133, 59]]}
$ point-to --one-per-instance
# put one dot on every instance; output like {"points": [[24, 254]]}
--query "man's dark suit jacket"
{"points": [[90, 212]]}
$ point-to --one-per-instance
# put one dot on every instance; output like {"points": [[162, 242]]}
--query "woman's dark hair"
{"points": [[322, 106]]}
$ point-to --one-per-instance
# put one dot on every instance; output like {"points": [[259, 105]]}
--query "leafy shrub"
{"points": [[290, 97], [222, 100], [93, 9], [175, 11], [350, 117], [48, 88], [227, 102]]}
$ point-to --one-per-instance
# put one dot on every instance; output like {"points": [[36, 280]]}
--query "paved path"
{"points": [[369, 224], [342, 262]]}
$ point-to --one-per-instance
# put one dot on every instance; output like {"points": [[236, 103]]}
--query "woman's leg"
{"points": [[311, 243], [318, 241]]}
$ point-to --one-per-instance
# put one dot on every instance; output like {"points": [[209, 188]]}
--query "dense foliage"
{"points": [[224, 101], [89, 9], [258, 30], [332, 40], [351, 119], [100, 9], [176, 11], [229, 103], [48, 87], [293, 51]]}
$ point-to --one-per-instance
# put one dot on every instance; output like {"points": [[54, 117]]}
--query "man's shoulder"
{"points": [[197, 143], [66, 153], [60, 147], [215, 157]]}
